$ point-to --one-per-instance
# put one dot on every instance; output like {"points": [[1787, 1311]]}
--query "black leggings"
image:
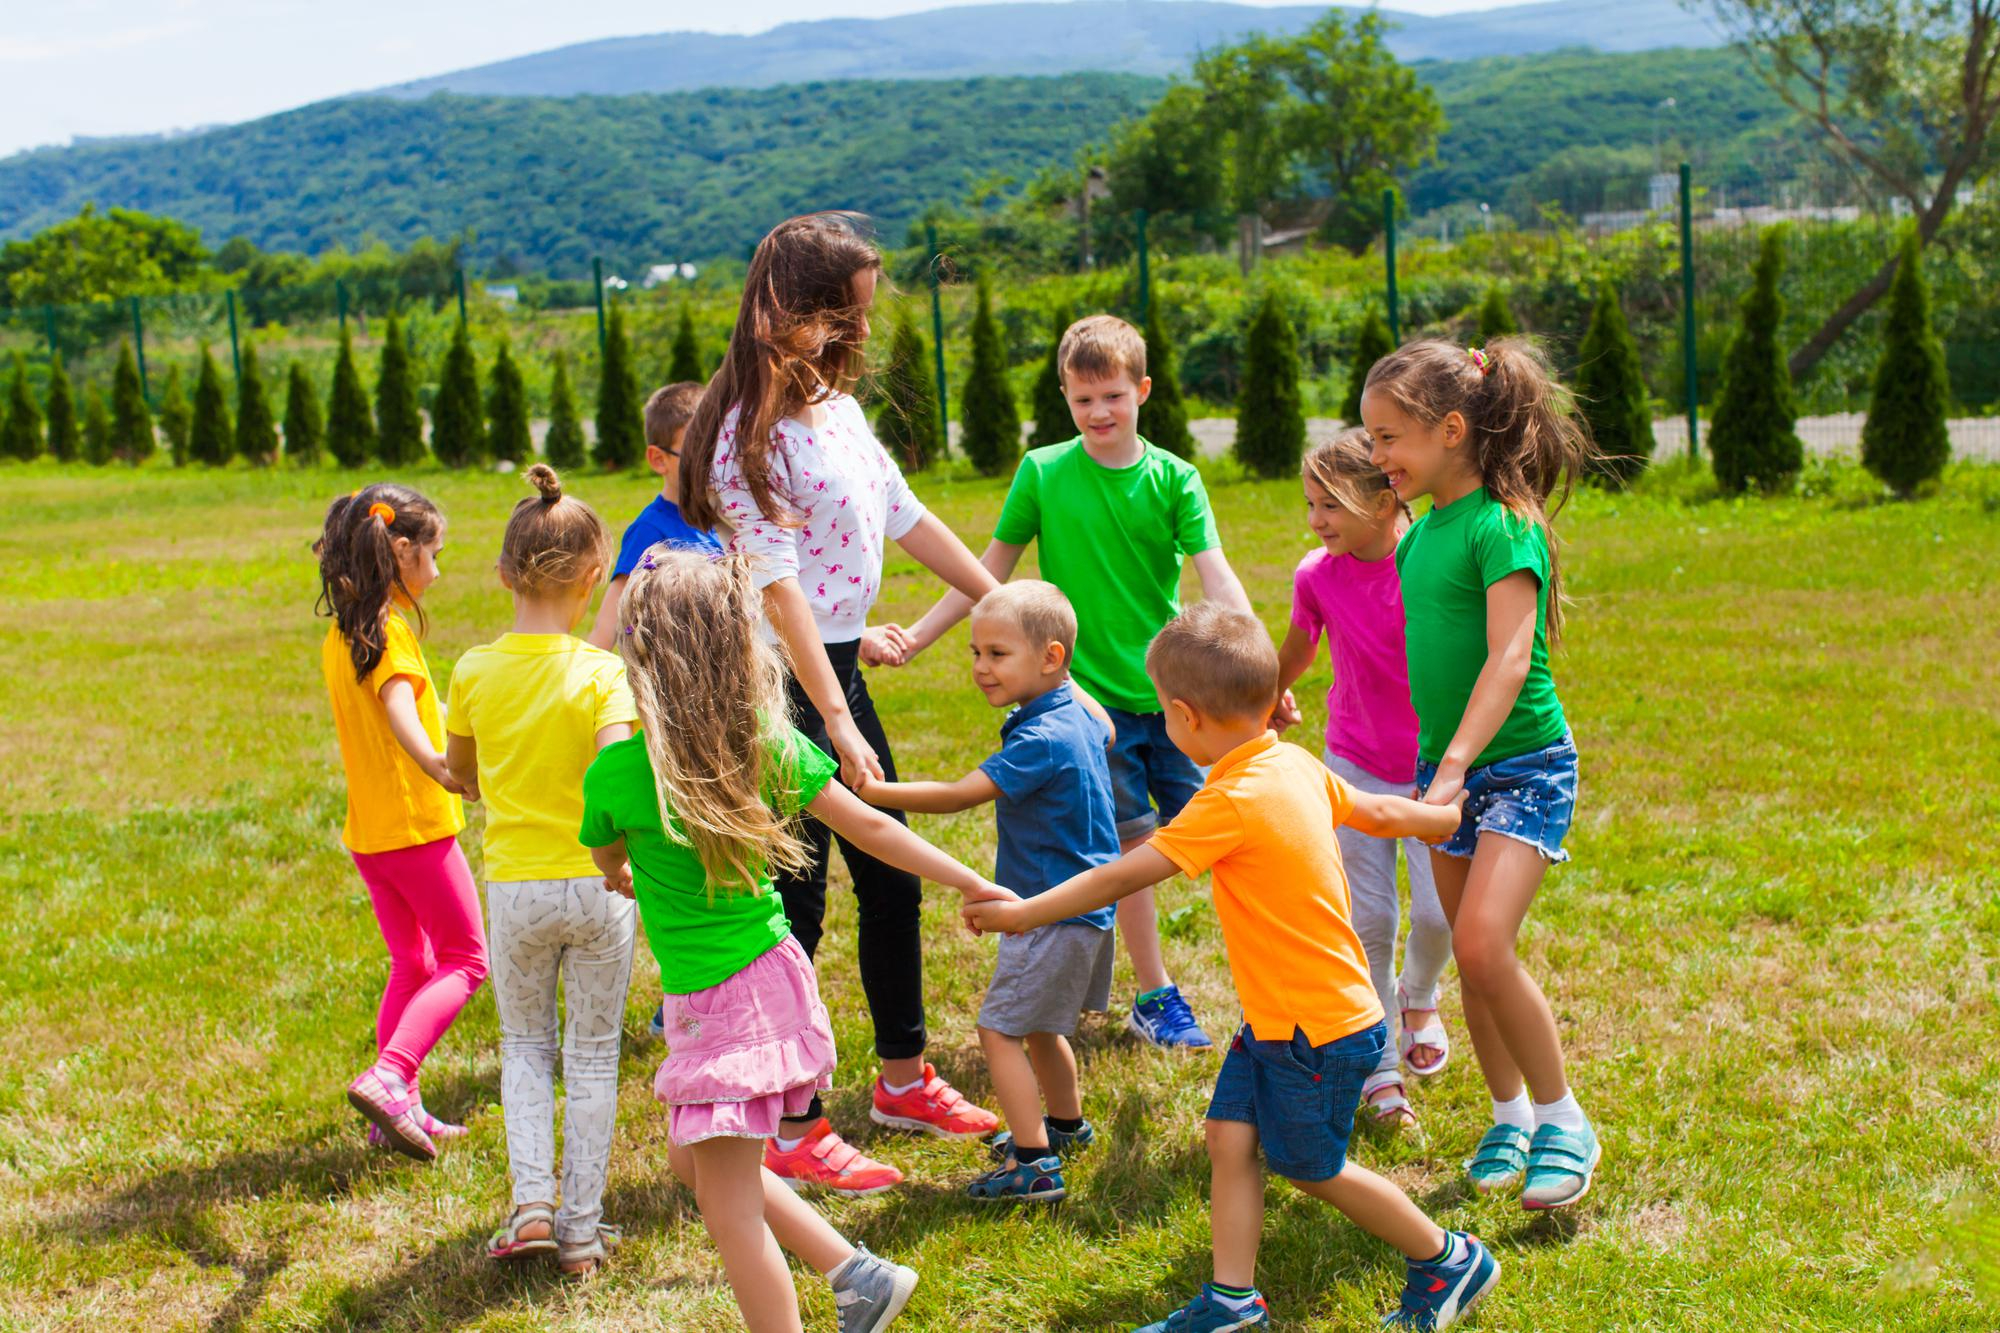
{"points": [[889, 900]]}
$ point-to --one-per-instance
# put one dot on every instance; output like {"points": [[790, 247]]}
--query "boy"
{"points": [[1264, 824], [1051, 788], [1114, 515], [668, 412]]}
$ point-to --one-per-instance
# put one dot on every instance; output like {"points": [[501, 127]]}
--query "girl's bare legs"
{"points": [[1513, 1031], [749, 1213]]}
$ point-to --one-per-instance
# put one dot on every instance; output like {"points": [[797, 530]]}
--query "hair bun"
{"points": [[544, 479]]}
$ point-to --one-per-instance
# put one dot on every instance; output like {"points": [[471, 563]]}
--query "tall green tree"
{"points": [[100, 257], [176, 417], [211, 439], [907, 421], [21, 432], [1163, 418], [399, 422], [1611, 389], [1270, 416], [256, 426], [621, 436], [350, 428], [65, 431], [1906, 441], [685, 362], [1371, 344], [1496, 319], [989, 421], [131, 419], [305, 430], [96, 427], [563, 446], [1053, 422], [458, 425], [507, 431], [1753, 439]]}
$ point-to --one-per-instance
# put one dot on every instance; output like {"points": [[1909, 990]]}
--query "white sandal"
{"points": [[1431, 1034], [1393, 1110]]}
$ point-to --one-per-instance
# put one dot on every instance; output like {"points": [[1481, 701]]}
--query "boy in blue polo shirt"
{"points": [[1050, 783], [668, 412]]}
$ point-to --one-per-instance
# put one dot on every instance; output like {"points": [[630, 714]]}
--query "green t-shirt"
{"points": [[700, 937], [1112, 539], [1447, 561]]}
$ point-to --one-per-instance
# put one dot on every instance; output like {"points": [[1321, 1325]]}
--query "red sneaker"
{"points": [[932, 1107], [825, 1159]]}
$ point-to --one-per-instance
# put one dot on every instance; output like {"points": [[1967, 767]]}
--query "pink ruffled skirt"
{"points": [[747, 1051]]}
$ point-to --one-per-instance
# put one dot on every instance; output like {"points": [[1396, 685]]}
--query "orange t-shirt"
{"points": [[1264, 824], [391, 803]]}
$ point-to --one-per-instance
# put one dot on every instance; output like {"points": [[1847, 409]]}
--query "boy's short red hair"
{"points": [[1100, 346]]}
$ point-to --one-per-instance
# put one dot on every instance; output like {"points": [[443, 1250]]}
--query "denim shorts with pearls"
{"points": [[1529, 797]]}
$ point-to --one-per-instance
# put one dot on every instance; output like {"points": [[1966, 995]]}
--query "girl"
{"points": [[528, 713], [1489, 435], [377, 556], [699, 812], [780, 452], [1349, 591]]}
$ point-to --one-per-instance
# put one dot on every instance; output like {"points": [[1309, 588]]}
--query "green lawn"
{"points": [[1772, 956]]}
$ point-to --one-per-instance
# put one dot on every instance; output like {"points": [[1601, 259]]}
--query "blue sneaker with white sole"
{"points": [[1165, 1020], [1207, 1313], [1436, 1296]]}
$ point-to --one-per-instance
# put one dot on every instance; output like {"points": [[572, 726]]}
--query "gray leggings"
{"points": [[1371, 880], [539, 928]]}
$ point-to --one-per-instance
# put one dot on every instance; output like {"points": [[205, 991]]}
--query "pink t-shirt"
{"points": [[849, 498], [1358, 604]]}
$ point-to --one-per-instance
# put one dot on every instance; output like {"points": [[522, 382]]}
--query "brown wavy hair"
{"points": [[358, 574], [798, 339], [553, 540]]}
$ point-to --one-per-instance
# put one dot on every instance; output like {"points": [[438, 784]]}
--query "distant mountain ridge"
{"points": [[1150, 37]]}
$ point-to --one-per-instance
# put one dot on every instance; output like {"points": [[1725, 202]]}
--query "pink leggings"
{"points": [[428, 909]]}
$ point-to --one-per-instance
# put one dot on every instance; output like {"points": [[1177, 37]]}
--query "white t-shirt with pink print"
{"points": [[849, 501]]}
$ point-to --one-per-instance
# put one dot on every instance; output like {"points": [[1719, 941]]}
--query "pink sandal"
{"points": [[387, 1106]]}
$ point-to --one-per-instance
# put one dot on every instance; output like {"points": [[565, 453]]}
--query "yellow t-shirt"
{"points": [[391, 803], [1264, 824], [534, 704]]}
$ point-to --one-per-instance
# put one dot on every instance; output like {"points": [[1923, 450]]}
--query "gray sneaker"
{"points": [[869, 1292]]}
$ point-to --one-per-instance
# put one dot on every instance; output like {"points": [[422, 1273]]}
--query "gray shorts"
{"points": [[1048, 976]]}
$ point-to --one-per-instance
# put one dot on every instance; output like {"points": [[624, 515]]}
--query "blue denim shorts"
{"points": [[1300, 1097], [1148, 770], [1530, 798]]}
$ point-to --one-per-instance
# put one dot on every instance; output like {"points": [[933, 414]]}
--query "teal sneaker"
{"points": [[1559, 1165], [1501, 1158], [1207, 1314]]}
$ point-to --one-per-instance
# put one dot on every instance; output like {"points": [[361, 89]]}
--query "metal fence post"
{"points": [[1145, 276], [235, 349], [597, 278], [937, 338], [1687, 311], [458, 281], [139, 347], [1389, 257]]}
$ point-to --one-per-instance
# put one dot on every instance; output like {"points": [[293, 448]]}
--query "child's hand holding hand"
{"points": [[1447, 786], [619, 881], [992, 915], [1448, 817], [1286, 714], [441, 774], [986, 891], [885, 645]]}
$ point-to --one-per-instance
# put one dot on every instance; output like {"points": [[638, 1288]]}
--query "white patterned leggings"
{"points": [[537, 929]]}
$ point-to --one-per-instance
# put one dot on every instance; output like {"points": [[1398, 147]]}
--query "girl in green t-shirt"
{"points": [[1489, 436], [692, 817]]}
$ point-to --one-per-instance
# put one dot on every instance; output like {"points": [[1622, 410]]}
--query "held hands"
{"points": [[1447, 792], [858, 761], [1286, 715], [441, 775], [886, 645], [620, 881], [999, 916], [985, 894]]}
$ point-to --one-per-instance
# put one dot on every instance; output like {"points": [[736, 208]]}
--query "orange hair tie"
{"points": [[383, 512]]}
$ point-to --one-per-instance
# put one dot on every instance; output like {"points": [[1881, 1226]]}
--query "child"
{"points": [[1051, 787], [527, 713], [377, 555], [668, 412], [1488, 435], [1264, 823], [1114, 515], [704, 804], [1348, 590]]}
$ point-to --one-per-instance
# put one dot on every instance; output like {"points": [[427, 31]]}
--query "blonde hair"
{"points": [[711, 700], [552, 541], [1218, 659], [1100, 346], [1039, 610], [1343, 468]]}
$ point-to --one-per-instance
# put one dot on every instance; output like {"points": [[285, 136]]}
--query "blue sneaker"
{"points": [[1165, 1020], [1559, 1165], [1039, 1181], [1436, 1296], [1207, 1314], [657, 1025]]}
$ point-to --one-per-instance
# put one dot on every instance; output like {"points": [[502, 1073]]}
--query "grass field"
{"points": [[1772, 957]]}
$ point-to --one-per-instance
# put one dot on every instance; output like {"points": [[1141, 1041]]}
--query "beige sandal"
{"points": [[509, 1243], [584, 1257], [1391, 1110]]}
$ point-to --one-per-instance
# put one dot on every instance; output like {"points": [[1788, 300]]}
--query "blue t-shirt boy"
{"points": [[658, 522], [1054, 812]]}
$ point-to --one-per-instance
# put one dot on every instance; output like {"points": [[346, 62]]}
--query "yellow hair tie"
{"points": [[383, 512]]}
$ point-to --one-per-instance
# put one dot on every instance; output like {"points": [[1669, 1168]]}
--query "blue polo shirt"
{"points": [[1054, 813], [661, 521]]}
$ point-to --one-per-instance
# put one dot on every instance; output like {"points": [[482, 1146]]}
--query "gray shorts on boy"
{"points": [[1046, 977]]}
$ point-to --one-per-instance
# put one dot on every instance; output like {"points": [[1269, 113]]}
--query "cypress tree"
{"points": [[399, 424], [1496, 320], [989, 422], [907, 421], [304, 428], [176, 417], [21, 433], [685, 362], [1371, 344], [96, 427], [1611, 389], [256, 428], [209, 437], [1752, 439], [1053, 422], [65, 433], [621, 438], [458, 425], [507, 432], [1270, 419], [131, 419], [1163, 418], [563, 446], [350, 429], [1905, 441]]}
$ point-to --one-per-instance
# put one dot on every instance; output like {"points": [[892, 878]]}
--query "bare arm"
{"points": [[1295, 654], [786, 604], [999, 559], [939, 550], [886, 840], [1510, 647], [399, 696], [1218, 581], [1100, 887], [613, 864], [461, 760], [1401, 817], [932, 798], [604, 633]]}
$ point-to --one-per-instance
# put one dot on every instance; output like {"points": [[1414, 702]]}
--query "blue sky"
{"points": [[87, 67]]}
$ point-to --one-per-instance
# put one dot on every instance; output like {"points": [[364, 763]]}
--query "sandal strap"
{"points": [[1381, 1078], [1431, 1034]]}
